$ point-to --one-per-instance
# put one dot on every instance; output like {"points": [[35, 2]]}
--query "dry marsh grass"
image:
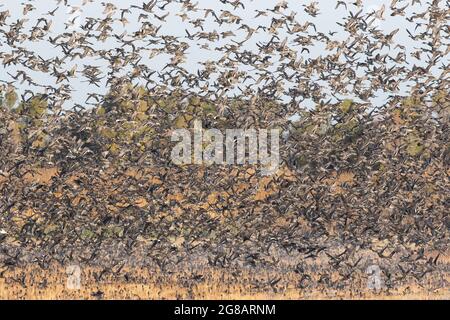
{"points": [[37, 284]]}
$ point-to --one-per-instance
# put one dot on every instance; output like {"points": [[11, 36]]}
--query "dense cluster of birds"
{"points": [[359, 183]]}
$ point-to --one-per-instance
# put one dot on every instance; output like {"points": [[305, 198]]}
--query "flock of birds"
{"points": [[275, 60], [359, 183]]}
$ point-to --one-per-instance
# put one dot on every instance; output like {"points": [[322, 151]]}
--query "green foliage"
{"points": [[10, 98], [113, 231], [348, 130], [133, 128], [414, 145], [183, 121], [36, 108], [346, 106], [87, 234]]}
